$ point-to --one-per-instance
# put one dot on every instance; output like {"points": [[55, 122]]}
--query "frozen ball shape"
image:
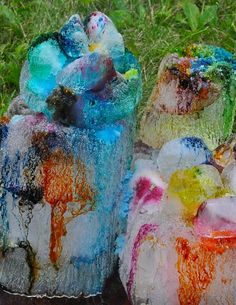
{"points": [[181, 153]]}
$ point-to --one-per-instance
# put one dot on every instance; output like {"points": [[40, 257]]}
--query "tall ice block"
{"points": [[66, 148], [194, 96]]}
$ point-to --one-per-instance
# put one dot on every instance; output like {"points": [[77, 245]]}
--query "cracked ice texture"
{"points": [[66, 147], [194, 96], [180, 245]]}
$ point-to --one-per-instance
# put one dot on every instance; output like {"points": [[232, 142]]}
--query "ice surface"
{"points": [[224, 154], [38, 76], [115, 101], [104, 37], [194, 96], [216, 218], [73, 38], [194, 185], [81, 78], [45, 58], [18, 107], [229, 176], [91, 71]]}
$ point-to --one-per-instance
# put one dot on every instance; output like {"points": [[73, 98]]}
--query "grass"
{"points": [[151, 29]]}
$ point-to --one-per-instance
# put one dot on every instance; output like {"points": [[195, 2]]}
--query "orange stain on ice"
{"points": [[64, 181], [196, 266]]}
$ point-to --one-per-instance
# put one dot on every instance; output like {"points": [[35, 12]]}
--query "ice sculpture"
{"points": [[66, 146], [194, 96], [180, 245]]}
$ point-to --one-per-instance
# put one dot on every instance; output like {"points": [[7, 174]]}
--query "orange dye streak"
{"points": [[64, 181], [219, 245], [224, 234], [58, 230], [4, 120], [196, 267]]}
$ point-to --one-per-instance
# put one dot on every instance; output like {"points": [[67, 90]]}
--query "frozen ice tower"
{"points": [[194, 96], [66, 145]]}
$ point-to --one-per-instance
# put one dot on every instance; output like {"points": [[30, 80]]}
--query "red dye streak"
{"points": [[142, 186], [155, 194], [144, 189], [58, 230]]}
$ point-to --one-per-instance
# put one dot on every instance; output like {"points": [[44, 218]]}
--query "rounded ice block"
{"points": [[172, 259], [77, 85], [194, 96], [64, 167], [182, 153]]}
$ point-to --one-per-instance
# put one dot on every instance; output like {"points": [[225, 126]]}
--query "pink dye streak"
{"points": [[144, 232], [144, 190]]}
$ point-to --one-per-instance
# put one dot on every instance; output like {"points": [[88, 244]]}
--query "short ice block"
{"points": [[180, 245], [194, 96]]}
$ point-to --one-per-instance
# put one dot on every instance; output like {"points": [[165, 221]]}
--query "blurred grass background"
{"points": [[151, 29]]}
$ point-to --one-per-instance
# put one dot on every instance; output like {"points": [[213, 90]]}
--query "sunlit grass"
{"points": [[150, 28]]}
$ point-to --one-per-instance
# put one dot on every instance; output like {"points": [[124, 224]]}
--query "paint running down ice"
{"points": [[194, 96], [181, 249], [66, 147]]}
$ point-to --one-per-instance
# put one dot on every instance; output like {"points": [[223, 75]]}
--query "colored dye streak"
{"points": [[58, 229], [34, 266], [64, 181], [147, 191], [146, 233], [196, 266]]}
